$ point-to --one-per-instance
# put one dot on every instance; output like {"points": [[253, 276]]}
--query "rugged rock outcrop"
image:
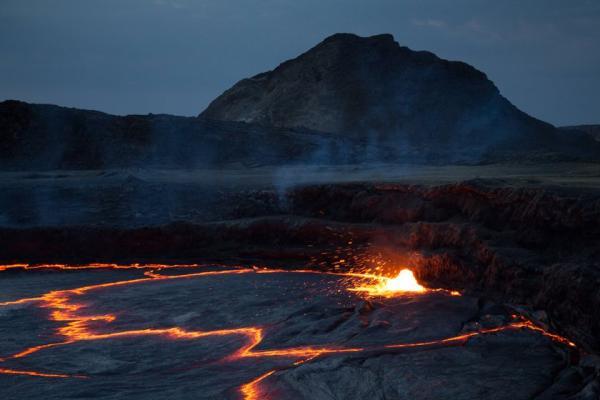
{"points": [[413, 102]]}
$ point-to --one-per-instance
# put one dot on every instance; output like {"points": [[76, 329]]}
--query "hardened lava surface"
{"points": [[216, 332]]}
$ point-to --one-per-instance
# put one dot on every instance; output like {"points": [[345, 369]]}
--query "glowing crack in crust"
{"points": [[76, 326]]}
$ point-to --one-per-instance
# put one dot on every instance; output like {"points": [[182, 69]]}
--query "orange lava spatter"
{"points": [[76, 326]]}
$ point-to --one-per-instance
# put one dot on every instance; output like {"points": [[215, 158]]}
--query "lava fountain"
{"points": [[404, 282]]}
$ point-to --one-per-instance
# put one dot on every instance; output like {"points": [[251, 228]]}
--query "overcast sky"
{"points": [[174, 56]]}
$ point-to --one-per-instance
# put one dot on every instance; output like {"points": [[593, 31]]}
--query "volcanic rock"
{"points": [[47, 137], [412, 103], [591, 130]]}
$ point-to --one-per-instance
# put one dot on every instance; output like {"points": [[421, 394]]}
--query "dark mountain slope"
{"points": [[592, 130], [390, 96], [41, 137]]}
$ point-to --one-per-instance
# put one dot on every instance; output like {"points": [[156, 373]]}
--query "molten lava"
{"points": [[7, 371], [77, 326], [404, 282]]}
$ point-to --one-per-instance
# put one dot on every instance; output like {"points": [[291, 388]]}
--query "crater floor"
{"points": [[215, 332]]}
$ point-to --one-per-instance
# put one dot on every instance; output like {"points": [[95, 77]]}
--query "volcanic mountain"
{"points": [[391, 97]]}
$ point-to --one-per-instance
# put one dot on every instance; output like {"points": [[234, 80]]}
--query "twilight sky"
{"points": [[174, 56]]}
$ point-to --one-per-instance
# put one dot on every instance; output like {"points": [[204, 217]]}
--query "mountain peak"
{"points": [[349, 37], [375, 89]]}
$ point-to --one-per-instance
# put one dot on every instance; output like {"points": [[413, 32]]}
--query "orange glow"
{"points": [[77, 325], [251, 390], [20, 301], [29, 267], [7, 371], [404, 282], [12, 266]]}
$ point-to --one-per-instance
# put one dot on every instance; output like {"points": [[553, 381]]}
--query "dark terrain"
{"points": [[592, 130], [317, 340]]}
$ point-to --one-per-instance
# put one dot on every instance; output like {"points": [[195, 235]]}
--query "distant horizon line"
{"points": [[118, 114]]}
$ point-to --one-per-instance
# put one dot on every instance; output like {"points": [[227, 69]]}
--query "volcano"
{"points": [[341, 227]]}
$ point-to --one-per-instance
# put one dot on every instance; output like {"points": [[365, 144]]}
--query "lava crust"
{"points": [[212, 332]]}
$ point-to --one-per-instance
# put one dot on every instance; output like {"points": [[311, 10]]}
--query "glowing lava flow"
{"points": [[29, 267], [7, 371], [77, 326], [20, 301], [251, 390]]}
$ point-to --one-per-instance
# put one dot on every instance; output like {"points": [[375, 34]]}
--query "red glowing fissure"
{"points": [[76, 325]]}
